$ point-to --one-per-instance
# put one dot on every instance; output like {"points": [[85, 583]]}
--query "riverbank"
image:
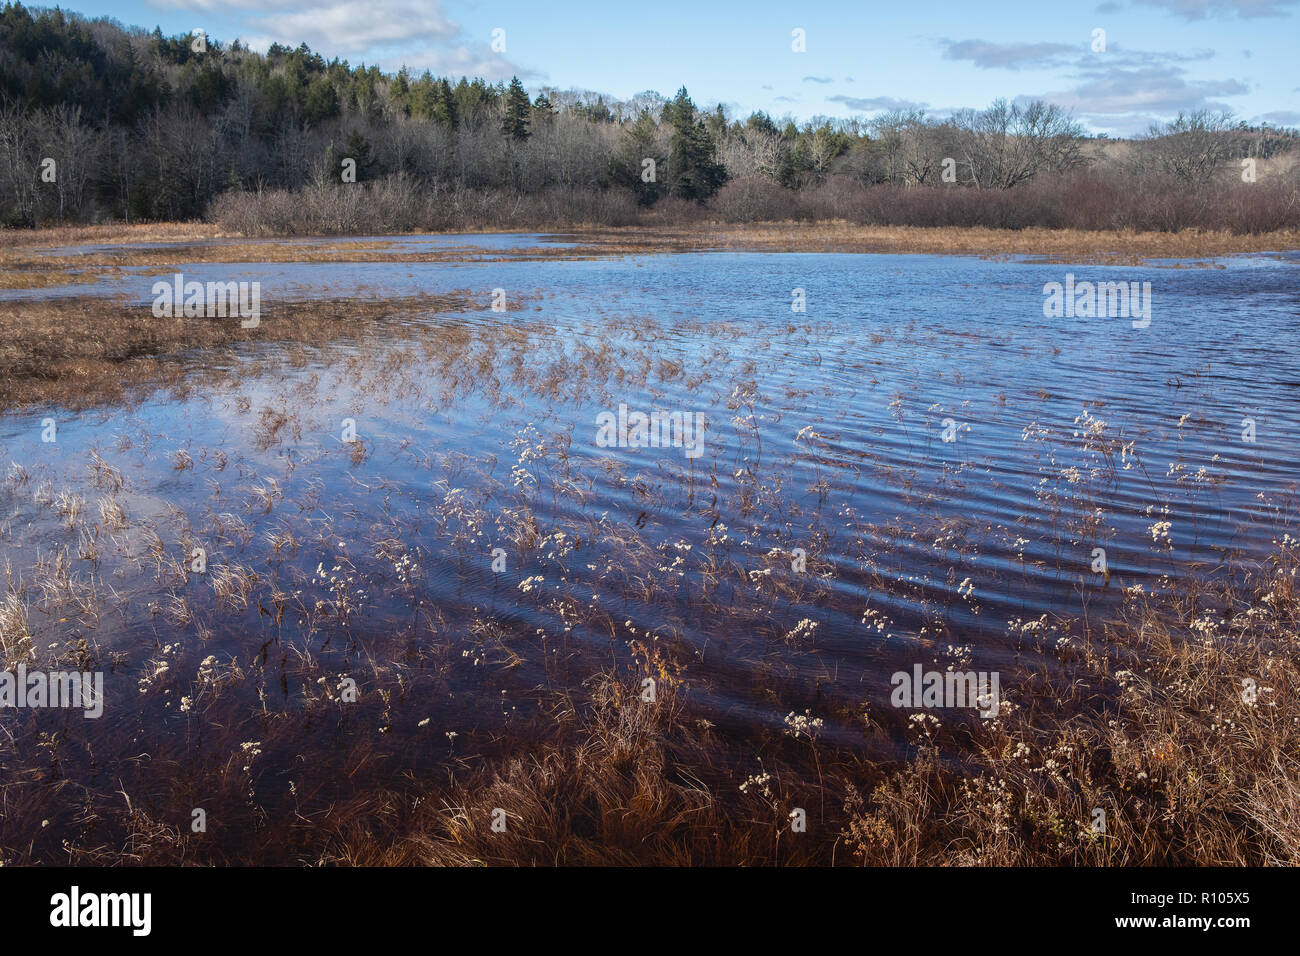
{"points": [[49, 257]]}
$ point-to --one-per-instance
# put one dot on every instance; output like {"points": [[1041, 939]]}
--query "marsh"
{"points": [[355, 466]]}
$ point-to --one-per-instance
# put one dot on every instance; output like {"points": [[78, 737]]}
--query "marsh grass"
{"points": [[1156, 733], [231, 690], [81, 352], [34, 260]]}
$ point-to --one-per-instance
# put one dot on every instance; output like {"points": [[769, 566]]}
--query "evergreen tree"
{"points": [[517, 109], [320, 102], [424, 95], [696, 173], [642, 144], [358, 149], [400, 90], [444, 107], [598, 112], [718, 121]]}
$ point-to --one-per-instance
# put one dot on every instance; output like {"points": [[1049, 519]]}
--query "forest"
{"points": [[99, 122]]}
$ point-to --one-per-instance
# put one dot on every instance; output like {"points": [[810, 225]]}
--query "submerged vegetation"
{"points": [[349, 680]]}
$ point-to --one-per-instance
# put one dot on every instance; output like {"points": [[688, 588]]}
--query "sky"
{"points": [[1159, 57]]}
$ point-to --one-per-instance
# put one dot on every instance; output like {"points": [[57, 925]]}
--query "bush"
{"points": [[397, 205], [755, 200], [1092, 200]]}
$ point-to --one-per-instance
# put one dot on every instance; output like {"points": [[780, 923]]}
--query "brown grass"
{"points": [[1074, 245], [1155, 732], [80, 351], [27, 264], [1140, 714], [1158, 735], [115, 232]]}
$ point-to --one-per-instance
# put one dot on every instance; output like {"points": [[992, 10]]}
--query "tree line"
{"points": [[98, 121]]}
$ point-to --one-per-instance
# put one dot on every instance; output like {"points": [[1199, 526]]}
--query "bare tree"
{"points": [[750, 153], [399, 144], [180, 147], [122, 167], [19, 162], [1193, 147], [243, 154], [75, 149], [293, 150], [911, 146], [646, 100], [1006, 145]]}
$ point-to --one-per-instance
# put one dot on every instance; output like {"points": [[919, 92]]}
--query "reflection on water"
{"points": [[827, 536]]}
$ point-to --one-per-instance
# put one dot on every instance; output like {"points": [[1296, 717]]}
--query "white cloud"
{"points": [[1008, 56], [869, 104], [354, 28], [388, 33]]}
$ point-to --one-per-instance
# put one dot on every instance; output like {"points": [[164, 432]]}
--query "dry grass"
{"points": [[1073, 245], [85, 351], [53, 236], [1155, 732], [1187, 771], [27, 263], [233, 695], [29, 274]]}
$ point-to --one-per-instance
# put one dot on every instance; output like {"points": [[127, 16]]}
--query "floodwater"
{"points": [[827, 431]]}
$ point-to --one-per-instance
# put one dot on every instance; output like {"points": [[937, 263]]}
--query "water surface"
{"points": [[826, 434]]}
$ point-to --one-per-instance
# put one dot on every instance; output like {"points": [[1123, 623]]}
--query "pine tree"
{"points": [[444, 108], [401, 83], [642, 144], [424, 95], [696, 174], [718, 122], [517, 109], [358, 149]]}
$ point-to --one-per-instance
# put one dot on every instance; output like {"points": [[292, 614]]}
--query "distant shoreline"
{"points": [[24, 250]]}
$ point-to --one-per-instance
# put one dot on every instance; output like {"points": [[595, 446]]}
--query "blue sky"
{"points": [[1161, 56]]}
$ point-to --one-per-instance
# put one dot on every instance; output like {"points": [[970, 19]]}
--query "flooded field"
{"points": [[328, 569]]}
